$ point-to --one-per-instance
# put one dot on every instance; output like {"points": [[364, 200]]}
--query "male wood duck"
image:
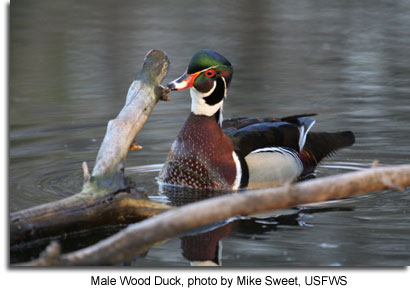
{"points": [[210, 153]]}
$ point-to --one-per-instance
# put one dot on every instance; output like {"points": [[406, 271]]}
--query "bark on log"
{"points": [[99, 202], [142, 96], [51, 221], [122, 246]]}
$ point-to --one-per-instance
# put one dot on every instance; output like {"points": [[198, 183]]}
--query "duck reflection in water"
{"points": [[203, 246], [205, 249]]}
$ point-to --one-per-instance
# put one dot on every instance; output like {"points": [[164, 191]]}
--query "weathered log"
{"points": [[120, 208], [142, 96], [122, 246], [100, 201]]}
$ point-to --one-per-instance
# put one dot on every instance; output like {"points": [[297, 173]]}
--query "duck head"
{"points": [[208, 77]]}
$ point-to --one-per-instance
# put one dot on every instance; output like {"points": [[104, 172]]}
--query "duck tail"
{"points": [[322, 144]]}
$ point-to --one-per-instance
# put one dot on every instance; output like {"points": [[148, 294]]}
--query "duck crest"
{"points": [[201, 156]]}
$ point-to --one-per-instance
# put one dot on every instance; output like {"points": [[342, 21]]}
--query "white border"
{"points": [[65, 281]]}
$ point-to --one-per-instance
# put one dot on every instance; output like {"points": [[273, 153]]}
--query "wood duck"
{"points": [[210, 153]]}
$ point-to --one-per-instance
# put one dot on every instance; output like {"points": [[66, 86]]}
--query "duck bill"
{"points": [[183, 82]]}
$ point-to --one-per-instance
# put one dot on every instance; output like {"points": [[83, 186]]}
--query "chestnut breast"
{"points": [[201, 156]]}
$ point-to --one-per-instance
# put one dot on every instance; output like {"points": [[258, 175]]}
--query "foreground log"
{"points": [[106, 198], [123, 246]]}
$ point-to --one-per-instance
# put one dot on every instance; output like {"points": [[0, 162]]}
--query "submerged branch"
{"points": [[123, 246]]}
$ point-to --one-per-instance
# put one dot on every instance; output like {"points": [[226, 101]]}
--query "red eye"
{"points": [[210, 73]]}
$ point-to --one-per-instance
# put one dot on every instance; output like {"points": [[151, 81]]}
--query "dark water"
{"points": [[71, 64]]}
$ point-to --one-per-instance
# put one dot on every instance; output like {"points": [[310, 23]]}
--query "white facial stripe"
{"points": [[207, 93], [213, 67]]}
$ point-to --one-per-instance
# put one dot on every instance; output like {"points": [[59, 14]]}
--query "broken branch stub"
{"points": [[143, 94]]}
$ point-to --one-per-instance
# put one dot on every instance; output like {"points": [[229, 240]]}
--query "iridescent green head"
{"points": [[208, 76], [206, 59], [205, 66]]}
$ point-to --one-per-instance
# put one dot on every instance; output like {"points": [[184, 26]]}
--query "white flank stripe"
{"points": [[303, 134], [302, 137], [276, 150]]}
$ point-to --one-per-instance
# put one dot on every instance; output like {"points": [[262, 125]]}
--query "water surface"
{"points": [[71, 64]]}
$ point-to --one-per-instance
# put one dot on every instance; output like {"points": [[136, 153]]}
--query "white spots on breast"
{"points": [[198, 158]]}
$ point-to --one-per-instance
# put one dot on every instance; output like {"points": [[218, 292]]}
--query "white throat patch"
{"points": [[199, 105]]}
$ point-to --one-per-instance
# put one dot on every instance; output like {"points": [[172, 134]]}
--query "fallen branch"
{"points": [[142, 96], [123, 246], [50, 255], [52, 220], [106, 197]]}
